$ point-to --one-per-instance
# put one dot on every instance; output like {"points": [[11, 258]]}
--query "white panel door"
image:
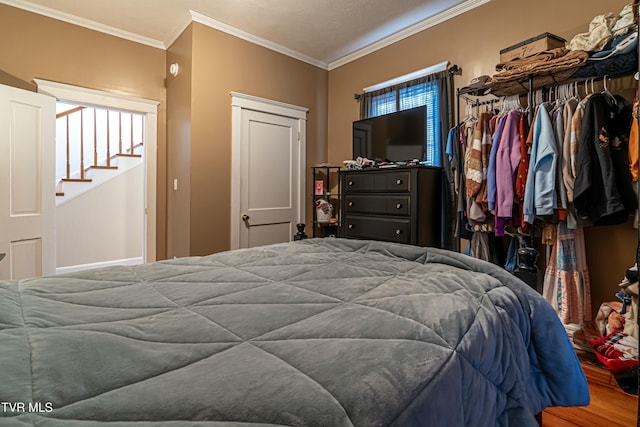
{"points": [[270, 178], [27, 183]]}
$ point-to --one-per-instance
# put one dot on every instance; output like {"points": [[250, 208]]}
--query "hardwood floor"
{"points": [[610, 406]]}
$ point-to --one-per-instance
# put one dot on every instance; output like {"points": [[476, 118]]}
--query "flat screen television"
{"points": [[394, 137]]}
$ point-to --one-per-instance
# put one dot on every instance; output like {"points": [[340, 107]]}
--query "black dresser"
{"points": [[401, 204]]}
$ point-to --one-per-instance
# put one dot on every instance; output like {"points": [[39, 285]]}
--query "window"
{"points": [[409, 96]]}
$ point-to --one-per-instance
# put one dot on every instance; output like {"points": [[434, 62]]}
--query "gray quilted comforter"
{"points": [[323, 332]]}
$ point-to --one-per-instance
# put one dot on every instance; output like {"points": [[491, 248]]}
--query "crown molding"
{"points": [[215, 24], [409, 31], [173, 36], [86, 23], [210, 22]]}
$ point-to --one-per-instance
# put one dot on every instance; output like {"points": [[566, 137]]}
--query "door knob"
{"points": [[245, 217]]}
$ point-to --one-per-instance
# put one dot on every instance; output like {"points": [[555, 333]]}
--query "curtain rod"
{"points": [[454, 69], [408, 77]]}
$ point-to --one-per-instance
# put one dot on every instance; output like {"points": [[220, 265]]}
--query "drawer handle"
{"points": [[350, 203], [351, 226], [398, 232], [350, 183], [398, 181], [399, 206]]}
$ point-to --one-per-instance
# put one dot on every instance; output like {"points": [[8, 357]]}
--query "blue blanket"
{"points": [[322, 332]]}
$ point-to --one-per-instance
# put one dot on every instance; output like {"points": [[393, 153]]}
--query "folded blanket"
{"points": [[546, 68], [546, 62], [544, 56]]}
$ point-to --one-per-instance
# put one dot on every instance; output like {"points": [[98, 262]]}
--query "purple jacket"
{"points": [[507, 162], [491, 174]]}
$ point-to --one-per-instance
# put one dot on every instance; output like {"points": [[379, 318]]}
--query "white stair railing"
{"points": [[77, 126]]}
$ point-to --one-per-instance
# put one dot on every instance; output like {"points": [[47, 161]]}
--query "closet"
{"points": [[575, 213], [490, 108]]}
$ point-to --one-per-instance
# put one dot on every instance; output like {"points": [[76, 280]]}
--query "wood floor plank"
{"points": [[610, 406]]}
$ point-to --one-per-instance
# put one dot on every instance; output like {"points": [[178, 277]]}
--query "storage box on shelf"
{"points": [[531, 46], [325, 200]]}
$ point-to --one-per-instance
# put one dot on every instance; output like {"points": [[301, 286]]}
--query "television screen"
{"points": [[394, 137]]}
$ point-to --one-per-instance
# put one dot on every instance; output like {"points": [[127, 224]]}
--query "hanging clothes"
{"points": [[507, 162], [561, 191], [620, 119], [633, 144], [570, 146], [540, 193], [491, 174], [566, 284], [597, 195], [477, 161], [523, 168], [569, 158]]}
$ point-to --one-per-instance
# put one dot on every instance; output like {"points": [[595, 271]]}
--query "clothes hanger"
{"points": [[538, 97], [555, 96], [606, 90], [468, 112], [567, 92], [562, 93], [586, 88], [516, 102]]}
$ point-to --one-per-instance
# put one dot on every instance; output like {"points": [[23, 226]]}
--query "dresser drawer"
{"points": [[378, 204], [378, 182], [377, 228], [394, 181], [353, 182]]}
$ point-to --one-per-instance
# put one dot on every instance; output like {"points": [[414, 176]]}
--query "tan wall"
{"points": [[179, 145], [34, 46], [223, 64], [473, 41]]}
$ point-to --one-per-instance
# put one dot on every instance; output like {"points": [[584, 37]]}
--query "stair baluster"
{"points": [[72, 139]]}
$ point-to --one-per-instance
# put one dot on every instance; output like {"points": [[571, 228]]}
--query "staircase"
{"points": [[93, 146]]}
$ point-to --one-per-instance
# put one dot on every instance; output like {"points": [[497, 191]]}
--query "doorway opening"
{"points": [[106, 190]]}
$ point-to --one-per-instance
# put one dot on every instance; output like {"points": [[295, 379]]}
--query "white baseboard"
{"points": [[80, 267]]}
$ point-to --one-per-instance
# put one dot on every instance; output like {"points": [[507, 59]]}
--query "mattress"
{"points": [[320, 332]]}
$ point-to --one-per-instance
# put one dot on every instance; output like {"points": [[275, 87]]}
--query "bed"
{"points": [[319, 332]]}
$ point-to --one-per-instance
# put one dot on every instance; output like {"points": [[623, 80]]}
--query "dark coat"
{"points": [[603, 192]]}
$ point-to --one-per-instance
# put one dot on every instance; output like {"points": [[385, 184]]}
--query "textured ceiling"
{"points": [[322, 31]]}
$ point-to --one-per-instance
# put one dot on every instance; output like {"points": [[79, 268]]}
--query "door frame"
{"points": [[240, 102], [98, 98]]}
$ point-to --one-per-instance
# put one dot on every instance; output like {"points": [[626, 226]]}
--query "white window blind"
{"points": [[425, 93]]}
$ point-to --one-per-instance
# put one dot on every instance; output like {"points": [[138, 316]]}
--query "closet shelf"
{"points": [[616, 66]]}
